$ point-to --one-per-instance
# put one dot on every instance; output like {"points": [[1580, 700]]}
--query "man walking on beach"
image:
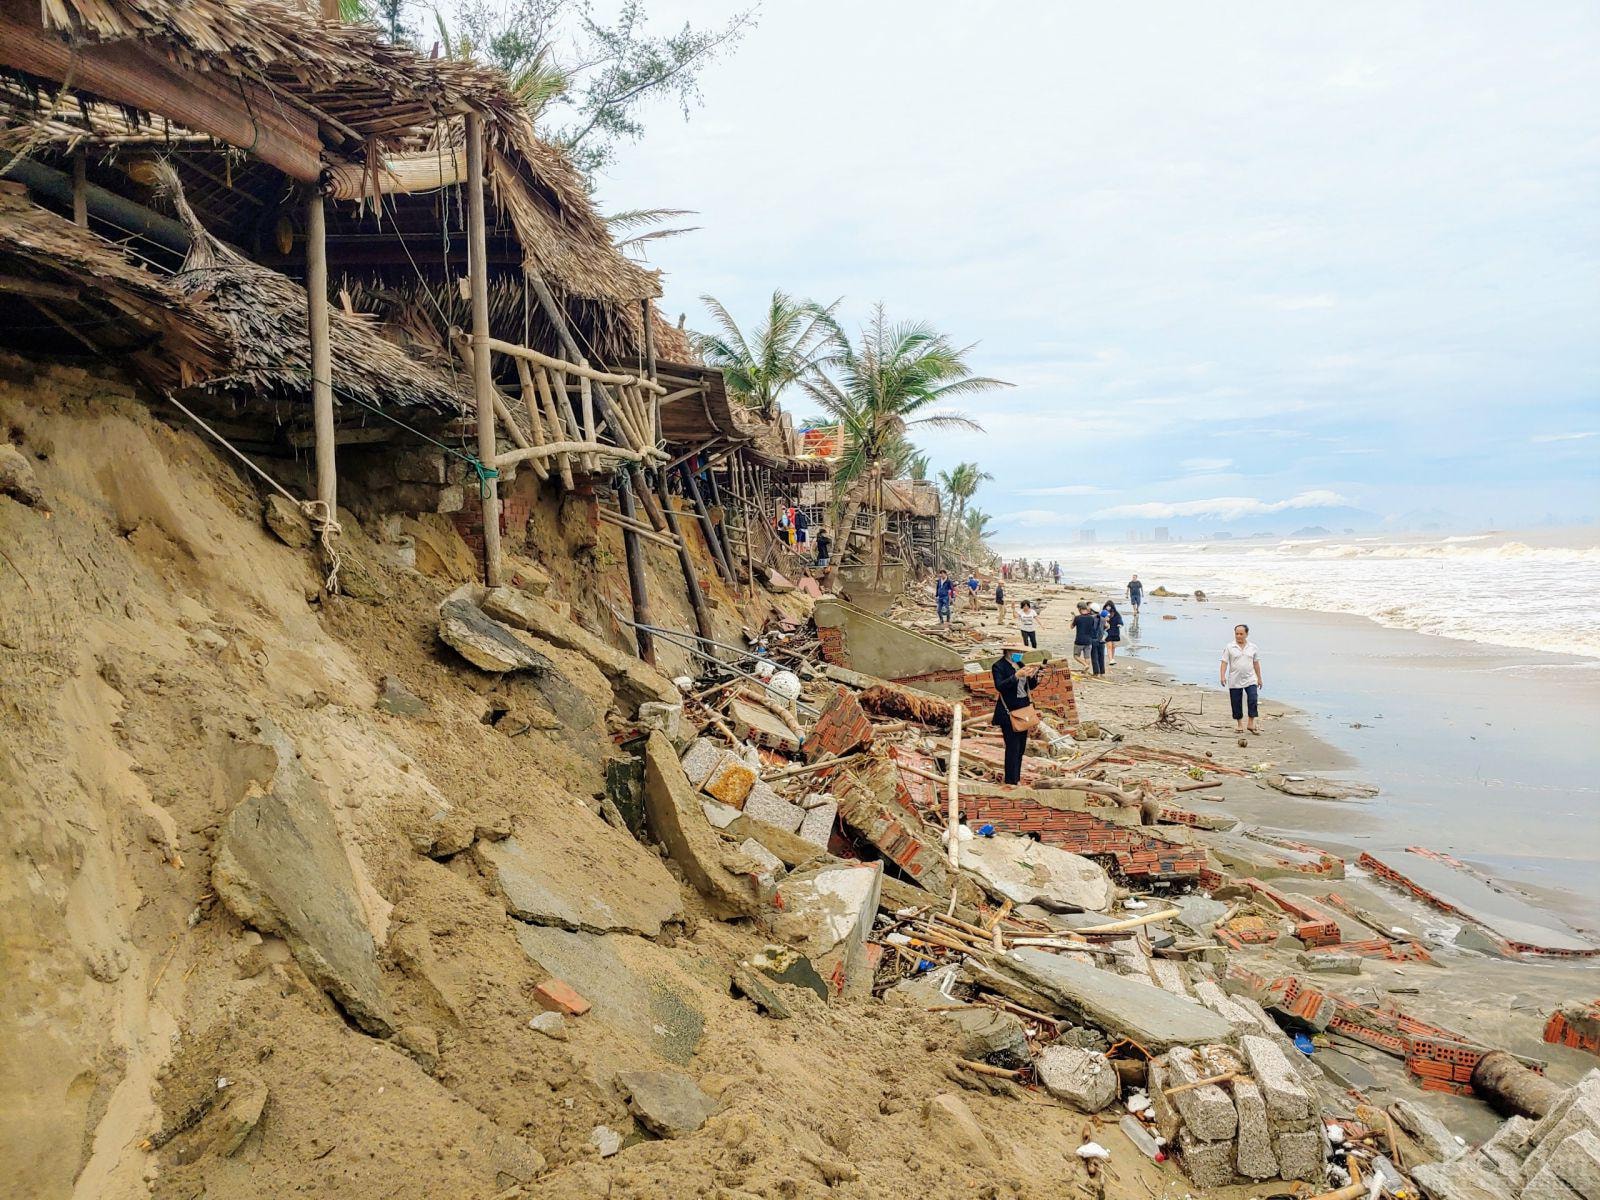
{"points": [[1240, 673], [1082, 634], [944, 596], [1135, 593]]}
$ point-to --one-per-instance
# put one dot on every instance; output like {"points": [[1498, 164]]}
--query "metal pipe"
{"points": [[108, 206]]}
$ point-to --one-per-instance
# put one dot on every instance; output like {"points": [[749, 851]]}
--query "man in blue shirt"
{"points": [[944, 596]]}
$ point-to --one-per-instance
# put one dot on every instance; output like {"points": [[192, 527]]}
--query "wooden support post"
{"points": [[692, 486], [650, 367], [80, 187], [321, 355], [697, 600], [482, 378], [634, 553], [721, 526], [752, 512]]}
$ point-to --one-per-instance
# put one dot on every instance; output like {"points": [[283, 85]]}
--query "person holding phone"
{"points": [[1012, 682]]}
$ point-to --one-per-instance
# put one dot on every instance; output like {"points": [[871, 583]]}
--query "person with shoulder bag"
{"points": [[1014, 714]]}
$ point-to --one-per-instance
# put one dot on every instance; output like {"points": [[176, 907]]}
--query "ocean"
{"points": [[1535, 590]]}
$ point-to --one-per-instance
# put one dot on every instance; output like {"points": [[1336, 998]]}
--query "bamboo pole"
{"points": [[712, 544], [321, 356], [634, 553], [697, 600], [954, 784], [586, 407], [541, 383], [551, 449], [1130, 923], [530, 401], [578, 367], [643, 530], [482, 380], [1200, 1083]]}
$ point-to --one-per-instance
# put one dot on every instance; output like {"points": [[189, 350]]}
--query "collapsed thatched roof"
{"points": [[267, 313], [913, 497], [83, 285], [367, 98]]}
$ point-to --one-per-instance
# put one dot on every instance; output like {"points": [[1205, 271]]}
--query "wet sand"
{"points": [[1485, 754]]}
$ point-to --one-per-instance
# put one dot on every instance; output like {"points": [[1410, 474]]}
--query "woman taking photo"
{"points": [[1014, 714]]}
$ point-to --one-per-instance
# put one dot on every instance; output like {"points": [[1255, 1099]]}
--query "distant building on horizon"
{"points": [[1162, 534], [1086, 537]]}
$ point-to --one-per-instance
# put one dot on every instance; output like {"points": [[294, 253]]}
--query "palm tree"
{"points": [[891, 382], [788, 344], [960, 484]]}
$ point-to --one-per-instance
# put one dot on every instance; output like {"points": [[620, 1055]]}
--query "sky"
{"points": [[1242, 262]]}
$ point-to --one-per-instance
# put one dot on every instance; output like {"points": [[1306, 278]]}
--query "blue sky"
{"points": [[1253, 258]]}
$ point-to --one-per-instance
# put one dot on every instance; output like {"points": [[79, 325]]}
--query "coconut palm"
{"points": [[789, 343], [959, 484], [892, 381]]}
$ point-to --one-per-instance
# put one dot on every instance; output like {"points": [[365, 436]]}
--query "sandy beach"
{"points": [[1432, 736]]}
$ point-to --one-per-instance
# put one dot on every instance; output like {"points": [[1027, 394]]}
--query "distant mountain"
{"points": [[1310, 531]]}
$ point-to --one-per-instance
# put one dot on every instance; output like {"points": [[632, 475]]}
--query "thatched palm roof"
{"points": [[86, 287]]}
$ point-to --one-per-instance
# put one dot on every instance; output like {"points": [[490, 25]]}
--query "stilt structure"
{"points": [[321, 361], [482, 368]]}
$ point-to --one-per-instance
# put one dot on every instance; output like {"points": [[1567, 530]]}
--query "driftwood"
{"points": [[887, 701]]}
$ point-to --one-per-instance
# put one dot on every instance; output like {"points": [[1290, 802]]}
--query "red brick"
{"points": [[561, 996]]}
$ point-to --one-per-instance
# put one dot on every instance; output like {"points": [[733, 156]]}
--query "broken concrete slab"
{"points": [[675, 817], [750, 984], [783, 964], [1085, 1079], [1326, 962], [700, 759], [1576, 1163], [1545, 1184], [485, 643], [1207, 1164], [1122, 1006], [1302, 1154], [633, 986], [553, 885], [827, 915], [1024, 871], [1426, 1130], [1198, 913], [633, 682], [721, 816], [1463, 1178], [1214, 998], [281, 867], [667, 1103], [985, 1030]]}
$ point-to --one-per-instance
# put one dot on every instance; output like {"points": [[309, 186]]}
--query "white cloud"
{"points": [[1066, 489], [1564, 437], [1196, 465], [1301, 303], [1225, 508], [1035, 518]]}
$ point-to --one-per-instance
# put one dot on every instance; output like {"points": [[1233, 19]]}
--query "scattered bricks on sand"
{"points": [[561, 997], [1575, 1025], [839, 728], [1207, 1111], [1288, 1103], [1207, 1164], [1254, 1156]]}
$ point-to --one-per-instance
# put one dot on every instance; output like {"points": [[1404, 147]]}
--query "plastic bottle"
{"points": [[1148, 1143]]}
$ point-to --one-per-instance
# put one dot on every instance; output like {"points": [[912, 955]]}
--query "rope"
{"points": [[322, 519]]}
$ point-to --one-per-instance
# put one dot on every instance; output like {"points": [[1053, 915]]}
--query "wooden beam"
{"points": [[697, 600], [644, 531], [233, 109], [634, 553], [553, 449], [321, 355], [37, 288], [482, 379], [579, 367], [692, 486], [80, 188]]}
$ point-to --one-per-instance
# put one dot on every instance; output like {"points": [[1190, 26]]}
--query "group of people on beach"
{"points": [[1096, 633]]}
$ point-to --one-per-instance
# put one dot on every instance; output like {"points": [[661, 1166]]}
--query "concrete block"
{"points": [[764, 804], [1432, 1134], [826, 914], [1546, 1185], [1588, 1086], [1085, 1079], [1463, 1178], [1508, 1146], [1207, 1112], [1576, 1162], [701, 759], [1253, 1156], [1301, 1155], [1167, 1119], [720, 815], [1207, 1164], [1288, 1103], [1580, 1114], [1328, 962], [1170, 975], [769, 867], [816, 826], [730, 781]]}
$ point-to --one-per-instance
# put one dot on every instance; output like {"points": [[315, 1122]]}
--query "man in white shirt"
{"points": [[1241, 675]]}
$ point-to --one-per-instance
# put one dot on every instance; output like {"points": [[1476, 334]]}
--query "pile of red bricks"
{"points": [[1385, 948], [1575, 1025], [1134, 854], [1315, 926], [830, 643], [839, 728], [1051, 690]]}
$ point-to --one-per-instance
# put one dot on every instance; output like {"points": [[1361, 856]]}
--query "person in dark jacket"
{"points": [[1011, 683], [1113, 631], [1083, 634]]}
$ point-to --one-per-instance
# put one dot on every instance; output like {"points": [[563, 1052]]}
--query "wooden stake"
{"points": [[321, 354], [697, 600], [1130, 923], [1200, 1083], [634, 553], [482, 379], [541, 383], [692, 486]]}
